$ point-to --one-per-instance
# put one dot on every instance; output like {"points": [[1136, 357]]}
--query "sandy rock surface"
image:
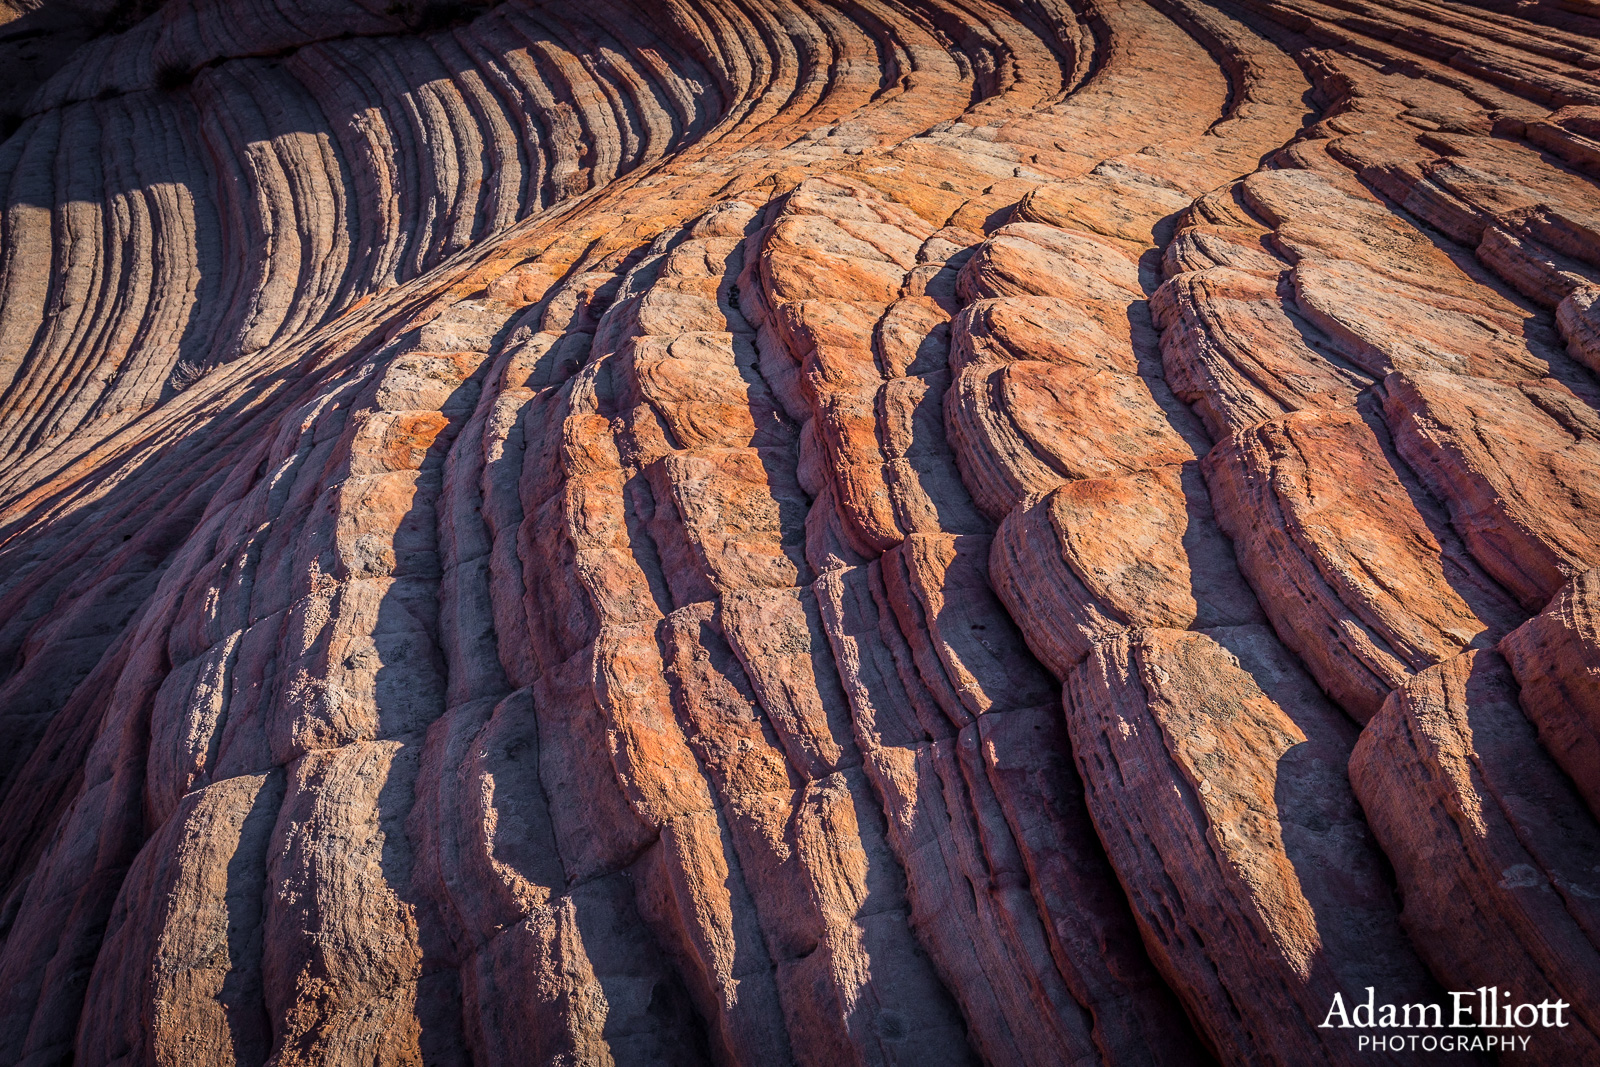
{"points": [[1001, 531]]}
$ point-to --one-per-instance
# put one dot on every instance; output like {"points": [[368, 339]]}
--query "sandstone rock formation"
{"points": [[783, 531]]}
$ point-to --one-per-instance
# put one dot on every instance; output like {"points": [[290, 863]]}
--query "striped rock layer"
{"points": [[789, 531]]}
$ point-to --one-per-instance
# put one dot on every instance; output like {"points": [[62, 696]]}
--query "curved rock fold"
{"points": [[892, 532]]}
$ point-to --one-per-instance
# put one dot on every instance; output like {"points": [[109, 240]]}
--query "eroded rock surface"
{"points": [[791, 532]]}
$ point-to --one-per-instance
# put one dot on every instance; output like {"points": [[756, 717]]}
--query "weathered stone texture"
{"points": [[1001, 531]]}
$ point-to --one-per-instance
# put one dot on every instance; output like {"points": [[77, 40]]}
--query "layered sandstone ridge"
{"points": [[899, 532]]}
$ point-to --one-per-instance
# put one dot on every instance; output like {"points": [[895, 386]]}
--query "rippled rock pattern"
{"points": [[779, 531]]}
